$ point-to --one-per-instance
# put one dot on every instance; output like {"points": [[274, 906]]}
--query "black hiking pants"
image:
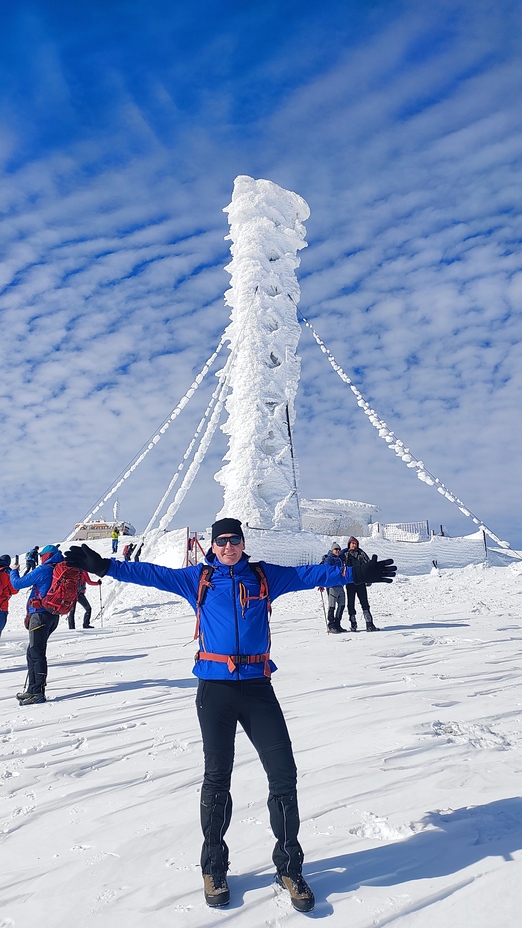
{"points": [[360, 590], [221, 704], [82, 599], [41, 626]]}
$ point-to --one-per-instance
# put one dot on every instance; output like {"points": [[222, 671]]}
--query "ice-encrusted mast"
{"points": [[260, 477]]}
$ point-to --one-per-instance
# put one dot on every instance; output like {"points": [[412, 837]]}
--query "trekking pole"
{"points": [[324, 610], [101, 605]]}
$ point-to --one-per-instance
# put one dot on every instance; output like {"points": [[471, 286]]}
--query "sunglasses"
{"points": [[233, 539]]}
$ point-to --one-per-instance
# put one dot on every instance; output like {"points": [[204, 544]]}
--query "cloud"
{"points": [[405, 140]]}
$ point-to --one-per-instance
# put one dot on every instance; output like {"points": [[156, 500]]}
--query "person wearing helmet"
{"points": [[40, 623]]}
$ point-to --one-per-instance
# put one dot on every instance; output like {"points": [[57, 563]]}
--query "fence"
{"points": [[402, 531]]}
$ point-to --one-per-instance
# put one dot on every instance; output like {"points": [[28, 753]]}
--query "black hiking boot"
{"points": [[370, 627], [216, 889], [338, 621], [301, 896], [30, 699], [353, 623], [333, 629]]}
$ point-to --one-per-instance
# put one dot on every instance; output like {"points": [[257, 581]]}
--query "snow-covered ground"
{"points": [[408, 743]]}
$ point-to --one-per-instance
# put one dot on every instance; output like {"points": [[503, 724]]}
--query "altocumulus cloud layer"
{"points": [[122, 132]]}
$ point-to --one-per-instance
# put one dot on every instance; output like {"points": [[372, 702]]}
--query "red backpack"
{"points": [[63, 592]]}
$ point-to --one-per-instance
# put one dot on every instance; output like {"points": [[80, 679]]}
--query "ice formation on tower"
{"points": [[260, 476]]}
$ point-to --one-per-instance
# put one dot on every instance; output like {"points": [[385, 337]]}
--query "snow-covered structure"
{"points": [[99, 528], [337, 517], [257, 387], [260, 477]]}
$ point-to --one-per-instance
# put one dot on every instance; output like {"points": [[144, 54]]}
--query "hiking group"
{"points": [[231, 597], [55, 590], [232, 600], [352, 556]]}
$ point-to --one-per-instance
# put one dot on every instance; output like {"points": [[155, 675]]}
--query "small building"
{"points": [[337, 517], [101, 528]]}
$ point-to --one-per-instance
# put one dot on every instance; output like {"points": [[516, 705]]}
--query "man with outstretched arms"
{"points": [[231, 598]]}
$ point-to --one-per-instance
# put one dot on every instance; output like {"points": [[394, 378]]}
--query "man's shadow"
{"points": [[446, 843], [126, 686], [417, 625]]}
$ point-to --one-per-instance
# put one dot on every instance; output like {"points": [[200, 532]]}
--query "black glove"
{"points": [[374, 571], [87, 559]]}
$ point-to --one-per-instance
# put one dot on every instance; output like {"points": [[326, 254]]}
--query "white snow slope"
{"points": [[408, 744]]}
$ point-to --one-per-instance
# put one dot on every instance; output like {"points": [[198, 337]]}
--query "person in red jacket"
{"points": [[82, 599], [6, 589]]}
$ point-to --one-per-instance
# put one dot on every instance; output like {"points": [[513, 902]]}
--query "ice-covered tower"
{"points": [[260, 477]]}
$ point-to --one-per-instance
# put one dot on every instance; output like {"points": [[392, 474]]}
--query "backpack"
{"points": [[63, 592]]}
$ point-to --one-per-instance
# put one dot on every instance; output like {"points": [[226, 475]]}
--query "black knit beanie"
{"points": [[227, 527]]}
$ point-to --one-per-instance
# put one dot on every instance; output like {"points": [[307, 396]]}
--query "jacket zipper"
{"points": [[231, 569]]}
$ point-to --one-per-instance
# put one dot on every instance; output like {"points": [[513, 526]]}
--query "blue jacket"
{"points": [[225, 627], [40, 579], [334, 560]]}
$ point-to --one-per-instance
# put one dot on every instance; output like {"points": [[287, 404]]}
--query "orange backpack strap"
{"points": [[264, 592], [204, 583], [232, 660]]}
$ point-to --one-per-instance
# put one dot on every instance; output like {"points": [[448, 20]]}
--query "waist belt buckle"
{"points": [[240, 659]]}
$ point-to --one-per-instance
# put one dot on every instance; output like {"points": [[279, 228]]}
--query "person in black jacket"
{"points": [[354, 555], [31, 559]]}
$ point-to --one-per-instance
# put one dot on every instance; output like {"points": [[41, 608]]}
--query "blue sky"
{"points": [[123, 126]]}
